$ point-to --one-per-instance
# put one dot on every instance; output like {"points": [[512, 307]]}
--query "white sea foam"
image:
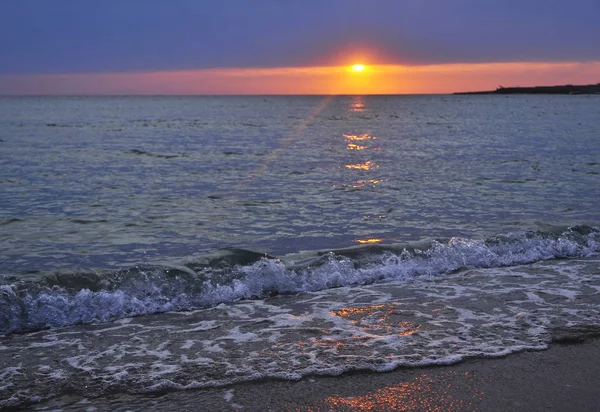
{"points": [[204, 325], [159, 369], [58, 374], [439, 320], [187, 344]]}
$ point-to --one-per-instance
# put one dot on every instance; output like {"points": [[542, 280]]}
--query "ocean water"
{"points": [[172, 243]]}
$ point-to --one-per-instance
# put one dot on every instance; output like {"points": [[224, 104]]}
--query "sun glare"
{"points": [[358, 67]]}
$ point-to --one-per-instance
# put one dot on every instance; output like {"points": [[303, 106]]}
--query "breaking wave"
{"points": [[61, 299]]}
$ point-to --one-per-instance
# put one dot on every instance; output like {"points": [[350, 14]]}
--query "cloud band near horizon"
{"points": [[377, 79]]}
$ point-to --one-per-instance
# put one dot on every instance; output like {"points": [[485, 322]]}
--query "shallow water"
{"points": [[285, 236]]}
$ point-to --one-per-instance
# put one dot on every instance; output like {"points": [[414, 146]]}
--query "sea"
{"points": [[151, 244]]}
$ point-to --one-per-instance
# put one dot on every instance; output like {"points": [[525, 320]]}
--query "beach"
{"points": [[564, 377]]}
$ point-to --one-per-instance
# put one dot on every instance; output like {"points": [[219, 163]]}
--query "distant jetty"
{"points": [[564, 89]]}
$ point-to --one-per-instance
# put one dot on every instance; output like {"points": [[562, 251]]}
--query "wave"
{"points": [[157, 155], [62, 299]]}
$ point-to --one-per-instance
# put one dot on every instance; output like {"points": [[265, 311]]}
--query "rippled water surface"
{"points": [[116, 181]]}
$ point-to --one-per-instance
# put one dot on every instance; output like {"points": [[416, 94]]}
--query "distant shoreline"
{"points": [[562, 89]]}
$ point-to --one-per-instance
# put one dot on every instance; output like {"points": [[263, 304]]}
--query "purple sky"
{"points": [[89, 36]]}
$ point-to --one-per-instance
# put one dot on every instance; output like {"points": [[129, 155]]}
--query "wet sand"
{"points": [[565, 377]]}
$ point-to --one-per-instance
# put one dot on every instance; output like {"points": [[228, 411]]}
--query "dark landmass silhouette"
{"points": [[563, 89]]}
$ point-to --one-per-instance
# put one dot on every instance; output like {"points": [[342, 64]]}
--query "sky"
{"points": [[292, 46]]}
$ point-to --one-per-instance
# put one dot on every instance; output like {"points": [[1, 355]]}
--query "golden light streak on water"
{"points": [[358, 105], [359, 184], [423, 393], [368, 165], [348, 312], [378, 318], [359, 137], [436, 392], [285, 143], [352, 146], [368, 241]]}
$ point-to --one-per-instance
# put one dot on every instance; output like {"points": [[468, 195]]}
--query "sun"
{"points": [[358, 67]]}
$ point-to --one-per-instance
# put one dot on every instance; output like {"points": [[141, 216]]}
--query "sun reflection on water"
{"points": [[326, 344], [358, 104], [423, 393], [357, 141], [368, 241], [378, 318], [368, 165], [359, 184], [359, 137], [353, 146]]}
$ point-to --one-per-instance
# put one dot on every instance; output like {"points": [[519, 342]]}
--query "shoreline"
{"points": [[560, 89], [563, 377]]}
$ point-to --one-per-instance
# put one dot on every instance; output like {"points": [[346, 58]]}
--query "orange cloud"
{"points": [[375, 79]]}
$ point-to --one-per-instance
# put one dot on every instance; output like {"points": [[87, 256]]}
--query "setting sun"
{"points": [[358, 67]]}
